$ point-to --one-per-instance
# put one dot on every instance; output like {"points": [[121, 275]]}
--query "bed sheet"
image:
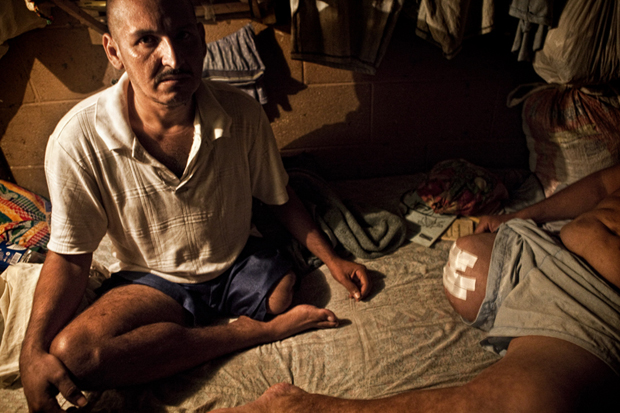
{"points": [[404, 336]]}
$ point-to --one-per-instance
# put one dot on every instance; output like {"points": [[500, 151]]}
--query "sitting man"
{"points": [[551, 306], [167, 165]]}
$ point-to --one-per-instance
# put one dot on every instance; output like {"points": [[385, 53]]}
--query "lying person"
{"points": [[167, 165], [551, 308]]}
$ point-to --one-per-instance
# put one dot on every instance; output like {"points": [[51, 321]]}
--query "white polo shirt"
{"points": [[191, 229]]}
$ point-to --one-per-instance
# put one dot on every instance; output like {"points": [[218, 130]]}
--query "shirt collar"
{"points": [[112, 116], [214, 119]]}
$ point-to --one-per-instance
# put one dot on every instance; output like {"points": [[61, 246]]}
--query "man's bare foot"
{"points": [[281, 397], [300, 318]]}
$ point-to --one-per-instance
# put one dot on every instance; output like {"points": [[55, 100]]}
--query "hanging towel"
{"points": [[234, 59]]}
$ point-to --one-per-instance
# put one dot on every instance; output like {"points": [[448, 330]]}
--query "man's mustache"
{"points": [[171, 73]]}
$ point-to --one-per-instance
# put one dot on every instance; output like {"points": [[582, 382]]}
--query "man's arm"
{"points": [[298, 221], [58, 294], [576, 199]]}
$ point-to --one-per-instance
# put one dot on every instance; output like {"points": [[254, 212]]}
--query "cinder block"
{"points": [[325, 116], [65, 64], [27, 132], [433, 111], [332, 164], [315, 73], [366, 160], [488, 154], [283, 76], [14, 86], [32, 178], [507, 122], [281, 72], [395, 159], [223, 28]]}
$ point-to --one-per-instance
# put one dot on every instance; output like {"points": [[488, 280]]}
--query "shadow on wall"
{"points": [[419, 109], [44, 73], [278, 78]]}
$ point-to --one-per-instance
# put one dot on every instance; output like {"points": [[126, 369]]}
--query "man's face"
{"points": [[161, 47]]}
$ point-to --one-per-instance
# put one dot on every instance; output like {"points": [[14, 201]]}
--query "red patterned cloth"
{"points": [[458, 187]]}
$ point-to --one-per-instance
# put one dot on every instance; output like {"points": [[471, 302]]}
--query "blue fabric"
{"points": [[234, 59], [241, 290]]}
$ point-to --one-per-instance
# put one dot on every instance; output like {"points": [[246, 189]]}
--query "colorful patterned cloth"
{"points": [[458, 187], [23, 217]]}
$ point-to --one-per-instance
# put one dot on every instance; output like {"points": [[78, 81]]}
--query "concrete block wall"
{"points": [[417, 110], [44, 74]]}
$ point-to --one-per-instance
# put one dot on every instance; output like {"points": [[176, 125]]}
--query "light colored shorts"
{"points": [[536, 287]]}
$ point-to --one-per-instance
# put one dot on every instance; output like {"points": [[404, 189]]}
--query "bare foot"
{"points": [[281, 397], [300, 318]]}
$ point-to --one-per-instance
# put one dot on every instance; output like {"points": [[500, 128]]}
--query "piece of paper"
{"points": [[424, 226]]}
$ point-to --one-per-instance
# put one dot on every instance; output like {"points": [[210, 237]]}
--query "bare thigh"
{"points": [[117, 312], [545, 374], [481, 246]]}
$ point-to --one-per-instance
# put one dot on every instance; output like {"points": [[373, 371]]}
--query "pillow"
{"points": [[459, 187], [23, 217]]}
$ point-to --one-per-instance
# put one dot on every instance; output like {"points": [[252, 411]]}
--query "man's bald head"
{"points": [[116, 11]]}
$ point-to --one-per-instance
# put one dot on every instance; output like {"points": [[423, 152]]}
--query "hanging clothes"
{"points": [[535, 19], [351, 34], [447, 23], [234, 59]]}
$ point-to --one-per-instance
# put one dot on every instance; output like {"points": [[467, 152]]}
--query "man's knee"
{"points": [[465, 273], [281, 297], [78, 352]]}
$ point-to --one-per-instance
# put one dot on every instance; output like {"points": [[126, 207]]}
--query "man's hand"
{"points": [[43, 377], [352, 276], [490, 223]]}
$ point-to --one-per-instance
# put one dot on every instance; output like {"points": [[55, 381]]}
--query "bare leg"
{"points": [[281, 297], [538, 374], [480, 245], [135, 334]]}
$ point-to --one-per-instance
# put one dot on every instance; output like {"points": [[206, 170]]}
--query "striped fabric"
{"points": [[23, 217]]}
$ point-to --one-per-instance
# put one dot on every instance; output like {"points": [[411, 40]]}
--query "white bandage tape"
{"points": [[455, 283]]}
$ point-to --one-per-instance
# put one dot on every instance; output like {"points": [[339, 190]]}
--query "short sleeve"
{"points": [[78, 220], [269, 178]]}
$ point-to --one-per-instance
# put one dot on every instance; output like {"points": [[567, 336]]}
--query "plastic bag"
{"points": [[585, 47]]}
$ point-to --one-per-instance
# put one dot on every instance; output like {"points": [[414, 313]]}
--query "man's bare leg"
{"points": [[538, 374], [281, 296], [136, 334]]}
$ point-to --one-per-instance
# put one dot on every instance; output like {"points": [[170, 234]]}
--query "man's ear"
{"points": [[112, 51]]}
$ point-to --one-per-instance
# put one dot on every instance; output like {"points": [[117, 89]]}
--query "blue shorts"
{"points": [[240, 290]]}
